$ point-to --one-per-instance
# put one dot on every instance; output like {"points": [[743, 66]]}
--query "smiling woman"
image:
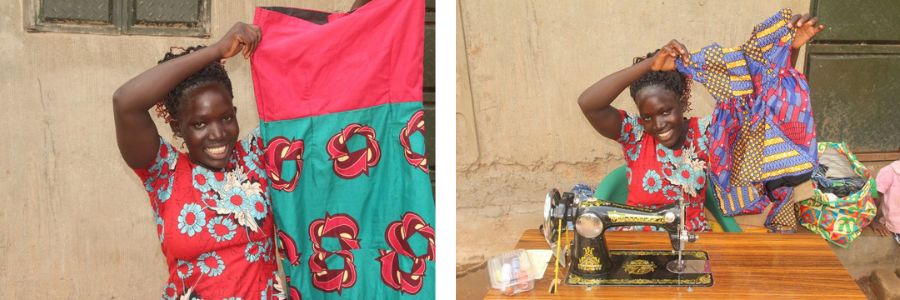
{"points": [[667, 154], [208, 125], [214, 218]]}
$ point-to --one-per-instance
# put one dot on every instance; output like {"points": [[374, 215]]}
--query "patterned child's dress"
{"points": [[659, 176], [215, 228], [340, 100], [762, 135]]}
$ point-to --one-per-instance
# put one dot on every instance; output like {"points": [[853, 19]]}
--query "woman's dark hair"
{"points": [[676, 82], [215, 72]]}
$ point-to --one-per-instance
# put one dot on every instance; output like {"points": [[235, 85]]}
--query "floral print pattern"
{"points": [[160, 228], [634, 152], [666, 175], [211, 264], [161, 187], [652, 182], [201, 212], [690, 179], [632, 131], [204, 180], [191, 219], [169, 293], [184, 269], [253, 251], [221, 229], [241, 198], [672, 193]]}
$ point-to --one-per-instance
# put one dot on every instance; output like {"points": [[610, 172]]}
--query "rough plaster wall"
{"points": [[523, 65], [75, 222]]}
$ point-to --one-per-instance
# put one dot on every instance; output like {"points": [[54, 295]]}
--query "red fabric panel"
{"points": [[302, 69]]}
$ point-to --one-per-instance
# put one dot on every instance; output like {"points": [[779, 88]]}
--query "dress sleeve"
{"points": [[157, 178], [632, 129], [723, 71], [728, 73], [769, 47]]}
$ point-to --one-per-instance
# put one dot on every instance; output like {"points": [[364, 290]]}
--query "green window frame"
{"points": [[119, 17]]}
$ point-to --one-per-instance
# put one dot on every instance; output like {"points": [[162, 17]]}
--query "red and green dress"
{"points": [[339, 98], [659, 176], [215, 227]]}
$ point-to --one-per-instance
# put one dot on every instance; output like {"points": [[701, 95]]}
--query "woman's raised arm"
{"points": [[595, 100], [136, 134]]}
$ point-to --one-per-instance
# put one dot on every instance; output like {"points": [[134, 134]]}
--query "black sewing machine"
{"points": [[590, 262]]}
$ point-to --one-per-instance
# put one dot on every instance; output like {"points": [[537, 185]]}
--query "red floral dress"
{"points": [[659, 176], [215, 227]]}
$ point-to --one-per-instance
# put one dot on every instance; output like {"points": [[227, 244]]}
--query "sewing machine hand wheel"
{"points": [[550, 226]]}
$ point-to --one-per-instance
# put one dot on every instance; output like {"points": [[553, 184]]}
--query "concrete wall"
{"points": [[74, 220], [521, 66]]}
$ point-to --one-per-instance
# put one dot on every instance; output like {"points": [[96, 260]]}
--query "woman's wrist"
{"points": [[644, 66], [220, 48]]}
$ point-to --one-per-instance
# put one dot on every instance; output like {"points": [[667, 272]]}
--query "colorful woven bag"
{"points": [[840, 219], [762, 134], [340, 102]]}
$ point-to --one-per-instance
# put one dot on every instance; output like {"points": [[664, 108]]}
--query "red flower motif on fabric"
{"points": [[344, 228], [397, 235], [415, 124], [279, 150], [288, 248], [667, 170], [349, 165]]}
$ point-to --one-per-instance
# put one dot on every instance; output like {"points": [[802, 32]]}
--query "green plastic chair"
{"points": [[614, 188]]}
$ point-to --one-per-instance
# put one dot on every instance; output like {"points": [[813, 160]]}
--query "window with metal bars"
{"points": [[120, 17]]}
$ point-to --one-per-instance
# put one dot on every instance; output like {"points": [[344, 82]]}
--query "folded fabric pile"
{"points": [[840, 187]]}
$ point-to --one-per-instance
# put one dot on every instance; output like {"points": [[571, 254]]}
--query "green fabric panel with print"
{"points": [[339, 96], [360, 216]]}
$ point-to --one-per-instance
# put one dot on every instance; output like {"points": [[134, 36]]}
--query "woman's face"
{"points": [[207, 122], [662, 113]]}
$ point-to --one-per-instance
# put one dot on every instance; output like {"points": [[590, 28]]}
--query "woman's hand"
{"points": [[241, 38], [664, 60], [807, 27]]}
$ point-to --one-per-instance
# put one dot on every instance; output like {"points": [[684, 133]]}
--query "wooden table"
{"points": [[744, 265]]}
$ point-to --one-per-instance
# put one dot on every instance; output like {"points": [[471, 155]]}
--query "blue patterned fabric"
{"points": [[762, 134]]}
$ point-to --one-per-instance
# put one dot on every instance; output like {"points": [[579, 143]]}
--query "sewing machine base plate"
{"points": [[646, 268]]}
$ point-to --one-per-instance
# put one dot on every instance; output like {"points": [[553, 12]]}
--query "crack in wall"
{"points": [[462, 26], [507, 197], [480, 166], [49, 171]]}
